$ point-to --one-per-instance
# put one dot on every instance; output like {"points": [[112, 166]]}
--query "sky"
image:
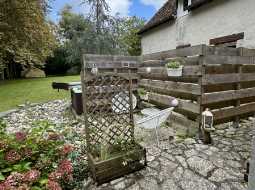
{"points": [[142, 8]]}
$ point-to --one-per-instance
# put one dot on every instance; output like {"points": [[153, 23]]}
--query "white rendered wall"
{"points": [[216, 19]]}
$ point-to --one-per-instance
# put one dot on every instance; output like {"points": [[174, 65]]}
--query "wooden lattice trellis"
{"points": [[108, 111]]}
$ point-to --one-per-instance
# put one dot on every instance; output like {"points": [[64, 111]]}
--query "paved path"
{"points": [[189, 165]]}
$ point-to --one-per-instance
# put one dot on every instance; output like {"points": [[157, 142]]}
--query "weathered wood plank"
{"points": [[166, 101], [96, 57], [112, 64], [209, 98], [234, 111], [247, 52], [184, 52], [187, 71], [162, 63], [180, 87], [227, 78], [232, 60], [225, 51], [227, 39]]}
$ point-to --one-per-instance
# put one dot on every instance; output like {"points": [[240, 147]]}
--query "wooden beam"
{"points": [[227, 78], [222, 51], [233, 111], [227, 39], [184, 52], [209, 98], [187, 71], [232, 60], [166, 101], [112, 64], [161, 63], [179, 87]]}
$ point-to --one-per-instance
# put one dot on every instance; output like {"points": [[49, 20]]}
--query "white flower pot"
{"points": [[174, 72], [144, 96]]}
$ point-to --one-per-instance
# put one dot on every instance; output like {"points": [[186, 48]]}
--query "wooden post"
{"points": [[238, 87], [204, 135]]}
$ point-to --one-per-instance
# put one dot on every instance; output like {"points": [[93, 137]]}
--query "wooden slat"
{"points": [[187, 71], [227, 78], [234, 111], [166, 101], [189, 51], [227, 95], [162, 63], [232, 60], [112, 64], [224, 51], [180, 87], [95, 57]]}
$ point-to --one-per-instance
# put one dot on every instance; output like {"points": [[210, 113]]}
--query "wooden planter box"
{"points": [[107, 170]]}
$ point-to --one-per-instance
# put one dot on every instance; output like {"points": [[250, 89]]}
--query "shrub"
{"points": [[33, 160]]}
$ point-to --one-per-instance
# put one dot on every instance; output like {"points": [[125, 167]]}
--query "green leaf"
{"points": [[36, 188], [2, 178], [6, 170], [43, 181]]}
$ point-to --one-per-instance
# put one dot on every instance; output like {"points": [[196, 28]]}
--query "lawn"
{"points": [[16, 92]]}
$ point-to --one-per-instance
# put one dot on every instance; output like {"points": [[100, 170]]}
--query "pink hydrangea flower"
{"points": [[32, 176], [67, 149], [12, 156], [20, 136], [53, 185], [55, 176], [65, 167]]}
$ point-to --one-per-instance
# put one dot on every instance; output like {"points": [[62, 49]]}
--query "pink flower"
{"points": [[27, 152], [52, 185], [55, 176], [32, 176], [5, 186], [20, 136], [12, 156], [66, 149], [65, 167]]}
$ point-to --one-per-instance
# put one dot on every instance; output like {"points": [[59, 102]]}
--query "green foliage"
{"points": [[25, 36], [173, 65], [142, 92], [57, 64], [129, 37], [34, 157]]}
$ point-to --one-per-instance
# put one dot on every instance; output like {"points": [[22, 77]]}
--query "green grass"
{"points": [[16, 92]]}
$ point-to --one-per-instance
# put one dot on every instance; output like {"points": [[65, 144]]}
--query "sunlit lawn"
{"points": [[16, 92]]}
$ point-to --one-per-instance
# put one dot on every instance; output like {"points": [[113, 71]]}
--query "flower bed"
{"points": [[38, 158]]}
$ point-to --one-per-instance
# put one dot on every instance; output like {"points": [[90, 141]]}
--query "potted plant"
{"points": [[144, 95], [174, 69]]}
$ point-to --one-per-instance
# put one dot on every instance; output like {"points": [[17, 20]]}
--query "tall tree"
{"points": [[26, 37], [129, 39]]}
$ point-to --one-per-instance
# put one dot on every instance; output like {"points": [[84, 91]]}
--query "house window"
{"points": [[185, 5], [182, 7]]}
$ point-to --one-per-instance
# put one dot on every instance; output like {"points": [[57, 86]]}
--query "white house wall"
{"points": [[216, 19]]}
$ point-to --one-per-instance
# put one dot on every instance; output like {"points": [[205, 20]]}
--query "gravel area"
{"points": [[181, 165]]}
